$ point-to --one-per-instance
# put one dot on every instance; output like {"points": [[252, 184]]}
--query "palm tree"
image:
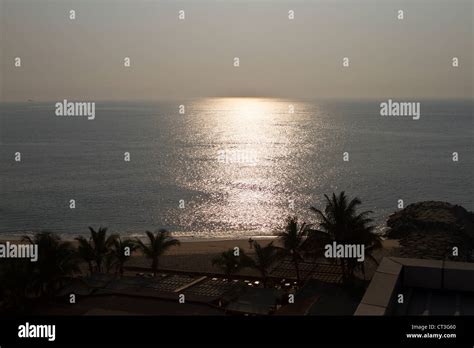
{"points": [[364, 234], [157, 246], [341, 223], [292, 239], [96, 248], [15, 284], [264, 258], [118, 253], [85, 251], [229, 262], [57, 260]]}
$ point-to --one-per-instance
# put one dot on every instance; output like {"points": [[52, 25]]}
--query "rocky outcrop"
{"points": [[432, 229]]}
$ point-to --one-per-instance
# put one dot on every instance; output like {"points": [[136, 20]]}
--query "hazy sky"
{"points": [[83, 59]]}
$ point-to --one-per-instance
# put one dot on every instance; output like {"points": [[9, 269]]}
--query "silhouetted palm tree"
{"points": [[120, 253], [229, 262], [57, 260], [341, 223], [263, 259], [96, 248], [85, 252], [157, 245], [292, 241], [15, 284]]}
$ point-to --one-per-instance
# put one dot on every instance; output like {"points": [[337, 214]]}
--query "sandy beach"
{"points": [[210, 246], [196, 256], [202, 246], [214, 246]]}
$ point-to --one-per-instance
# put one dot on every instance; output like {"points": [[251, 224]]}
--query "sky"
{"points": [[300, 58]]}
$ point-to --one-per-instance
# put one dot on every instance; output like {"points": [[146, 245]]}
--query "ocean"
{"points": [[224, 167]]}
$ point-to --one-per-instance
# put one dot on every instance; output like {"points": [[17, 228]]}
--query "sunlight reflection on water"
{"points": [[235, 162]]}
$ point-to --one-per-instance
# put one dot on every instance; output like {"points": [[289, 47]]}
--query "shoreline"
{"points": [[215, 246], [185, 239]]}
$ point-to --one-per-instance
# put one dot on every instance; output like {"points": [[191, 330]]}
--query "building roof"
{"points": [[427, 287], [258, 301]]}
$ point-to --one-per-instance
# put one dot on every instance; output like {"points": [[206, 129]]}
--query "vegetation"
{"points": [[292, 239], [57, 260], [95, 249], [157, 244], [264, 258], [15, 284], [21, 280], [341, 223], [230, 262], [120, 252]]}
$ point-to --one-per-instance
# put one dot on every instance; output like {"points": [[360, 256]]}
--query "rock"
{"points": [[432, 229]]}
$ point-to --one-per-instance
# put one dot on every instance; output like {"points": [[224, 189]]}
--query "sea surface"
{"points": [[227, 167]]}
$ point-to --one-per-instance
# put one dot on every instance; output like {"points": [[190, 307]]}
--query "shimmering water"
{"points": [[278, 156]]}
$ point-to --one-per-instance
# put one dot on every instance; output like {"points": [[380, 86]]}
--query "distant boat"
{"points": [[30, 100]]}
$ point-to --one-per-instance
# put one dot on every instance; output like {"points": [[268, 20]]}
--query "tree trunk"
{"points": [[154, 266], [264, 278], [99, 265], [344, 273], [297, 269]]}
